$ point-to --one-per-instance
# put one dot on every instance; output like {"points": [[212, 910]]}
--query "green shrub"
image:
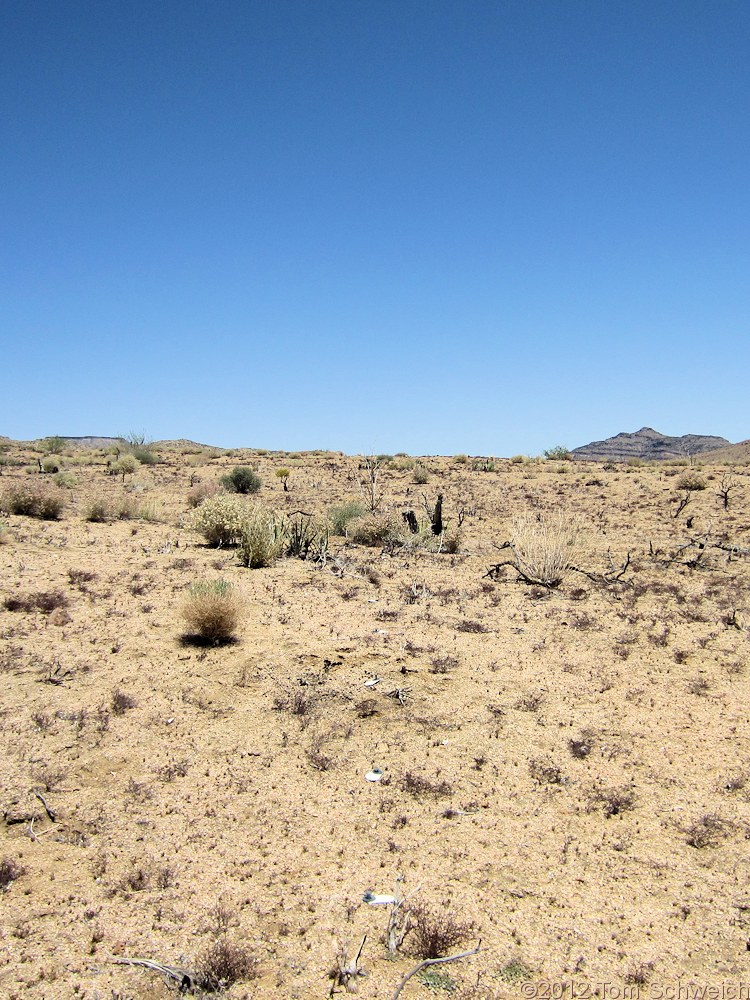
{"points": [[126, 465], [65, 479], [212, 610], [461, 459], [283, 475], [421, 475], [262, 538], [219, 519], [341, 516], [33, 499], [52, 445], [144, 455], [558, 454], [241, 480], [51, 465]]}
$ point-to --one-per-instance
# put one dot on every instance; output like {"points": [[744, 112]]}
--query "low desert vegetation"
{"points": [[32, 499], [220, 519], [261, 733], [241, 480], [543, 547], [212, 610]]}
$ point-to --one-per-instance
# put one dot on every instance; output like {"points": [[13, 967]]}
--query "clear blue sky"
{"points": [[389, 225]]}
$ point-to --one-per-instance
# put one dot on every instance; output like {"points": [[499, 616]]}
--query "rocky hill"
{"points": [[649, 445]]}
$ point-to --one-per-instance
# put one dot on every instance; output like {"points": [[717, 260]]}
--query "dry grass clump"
{"points": [[225, 963], [376, 529], [32, 499], [262, 537], [220, 519], [201, 492], [542, 547], [212, 610]]}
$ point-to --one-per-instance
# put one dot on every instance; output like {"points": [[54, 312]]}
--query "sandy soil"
{"points": [[568, 770]]}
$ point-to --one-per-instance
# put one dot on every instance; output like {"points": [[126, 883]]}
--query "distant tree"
{"points": [[558, 454]]}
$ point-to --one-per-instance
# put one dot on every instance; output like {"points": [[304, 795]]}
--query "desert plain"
{"points": [[565, 770]]}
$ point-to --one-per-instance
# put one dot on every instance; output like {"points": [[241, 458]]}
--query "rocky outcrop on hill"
{"points": [[649, 445]]}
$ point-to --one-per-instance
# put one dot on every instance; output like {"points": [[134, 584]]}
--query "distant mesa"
{"points": [[649, 445]]}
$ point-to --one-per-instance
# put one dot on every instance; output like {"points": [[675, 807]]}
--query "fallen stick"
{"points": [[433, 961], [185, 980]]}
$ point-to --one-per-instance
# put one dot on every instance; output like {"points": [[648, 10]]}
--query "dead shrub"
{"points": [[201, 492], [708, 831], [433, 933], [612, 800], [225, 963], [417, 785], [212, 611], [44, 601], [10, 870], [120, 702]]}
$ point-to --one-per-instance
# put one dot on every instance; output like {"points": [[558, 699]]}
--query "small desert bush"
{"points": [[342, 515], [262, 538], [223, 964], [433, 933], [144, 455], [10, 870], [201, 492], [97, 511], [557, 454], [126, 465], [241, 480], [542, 547], [66, 480], [376, 529], [4, 533], [33, 499], [691, 482], [212, 610], [45, 601], [50, 465], [421, 475], [220, 518]]}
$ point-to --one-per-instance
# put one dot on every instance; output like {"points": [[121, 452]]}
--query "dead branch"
{"points": [[433, 961], [185, 980], [347, 972], [614, 576], [684, 501], [52, 813]]}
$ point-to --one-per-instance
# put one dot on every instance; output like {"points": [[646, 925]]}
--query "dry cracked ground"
{"points": [[565, 771]]}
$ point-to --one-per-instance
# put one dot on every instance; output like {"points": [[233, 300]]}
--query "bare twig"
{"points": [[433, 961], [52, 813], [614, 576]]}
